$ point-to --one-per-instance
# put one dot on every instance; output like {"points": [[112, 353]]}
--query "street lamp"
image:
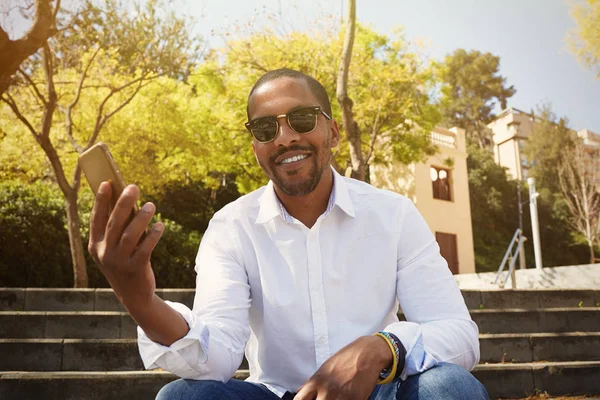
{"points": [[535, 225], [532, 199]]}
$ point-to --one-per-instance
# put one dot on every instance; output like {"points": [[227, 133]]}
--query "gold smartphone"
{"points": [[98, 165]]}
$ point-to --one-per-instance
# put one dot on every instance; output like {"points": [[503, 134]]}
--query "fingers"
{"points": [[308, 391], [99, 216], [144, 249], [120, 215], [134, 231]]}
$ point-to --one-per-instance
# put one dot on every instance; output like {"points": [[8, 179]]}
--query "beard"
{"points": [[318, 162]]}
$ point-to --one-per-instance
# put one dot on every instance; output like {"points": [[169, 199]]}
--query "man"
{"points": [[301, 275]]}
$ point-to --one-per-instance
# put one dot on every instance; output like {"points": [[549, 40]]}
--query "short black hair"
{"points": [[314, 86]]}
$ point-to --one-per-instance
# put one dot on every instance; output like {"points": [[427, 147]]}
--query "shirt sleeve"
{"points": [[438, 327], [219, 324]]}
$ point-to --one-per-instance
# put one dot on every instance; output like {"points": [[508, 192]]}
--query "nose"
{"points": [[286, 135]]}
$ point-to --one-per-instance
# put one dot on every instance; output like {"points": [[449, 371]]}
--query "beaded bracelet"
{"points": [[386, 377], [399, 352]]}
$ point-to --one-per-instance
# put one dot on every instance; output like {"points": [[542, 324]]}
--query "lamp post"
{"points": [[522, 250], [535, 226], [534, 223]]}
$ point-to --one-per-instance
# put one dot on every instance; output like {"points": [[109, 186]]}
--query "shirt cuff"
{"points": [[173, 358], [417, 359]]}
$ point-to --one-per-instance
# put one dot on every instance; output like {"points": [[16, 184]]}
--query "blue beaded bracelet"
{"points": [[400, 354]]}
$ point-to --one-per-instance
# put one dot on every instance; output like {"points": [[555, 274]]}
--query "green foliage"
{"points": [[103, 55], [35, 245], [584, 40], [471, 89], [193, 204], [388, 84], [141, 37], [559, 244], [494, 213], [549, 140], [495, 217], [173, 259]]}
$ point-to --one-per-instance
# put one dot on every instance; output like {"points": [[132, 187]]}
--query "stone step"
{"points": [[501, 380], [526, 379], [62, 299], [47, 299], [119, 325], [531, 298], [533, 347], [522, 320], [67, 325], [123, 355]]}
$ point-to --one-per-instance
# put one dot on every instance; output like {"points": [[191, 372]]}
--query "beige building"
{"points": [[510, 132], [440, 190]]}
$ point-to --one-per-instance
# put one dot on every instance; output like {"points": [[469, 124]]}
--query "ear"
{"points": [[335, 133]]}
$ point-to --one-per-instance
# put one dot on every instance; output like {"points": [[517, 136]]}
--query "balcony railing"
{"points": [[442, 139]]}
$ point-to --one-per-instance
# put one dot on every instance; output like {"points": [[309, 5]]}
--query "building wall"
{"points": [[510, 128], [513, 127], [413, 181]]}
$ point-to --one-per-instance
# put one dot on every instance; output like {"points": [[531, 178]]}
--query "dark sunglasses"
{"points": [[302, 120]]}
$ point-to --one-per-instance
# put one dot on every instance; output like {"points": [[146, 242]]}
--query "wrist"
{"points": [[139, 306], [398, 353], [381, 353]]}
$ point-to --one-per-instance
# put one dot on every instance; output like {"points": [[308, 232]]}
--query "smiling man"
{"points": [[304, 276]]}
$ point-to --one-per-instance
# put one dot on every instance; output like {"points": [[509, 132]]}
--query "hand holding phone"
{"points": [[117, 228], [98, 165]]}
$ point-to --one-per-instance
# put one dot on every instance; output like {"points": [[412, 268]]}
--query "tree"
{"points": [[579, 184], [549, 139], [105, 56], [494, 216], [14, 52], [471, 88], [494, 213], [544, 149], [389, 86], [350, 126], [584, 39]]}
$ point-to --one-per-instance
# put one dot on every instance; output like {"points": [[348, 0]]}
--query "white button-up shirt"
{"points": [[291, 297]]}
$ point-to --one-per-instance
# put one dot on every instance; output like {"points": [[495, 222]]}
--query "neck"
{"points": [[309, 207]]}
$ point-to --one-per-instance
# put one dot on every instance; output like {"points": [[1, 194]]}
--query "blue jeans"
{"points": [[446, 381]]}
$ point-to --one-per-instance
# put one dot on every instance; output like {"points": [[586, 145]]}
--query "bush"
{"points": [[173, 259], [35, 243]]}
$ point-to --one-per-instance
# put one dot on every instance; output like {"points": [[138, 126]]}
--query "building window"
{"points": [[440, 179]]}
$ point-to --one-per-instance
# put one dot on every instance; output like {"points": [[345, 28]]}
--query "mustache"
{"points": [[294, 147]]}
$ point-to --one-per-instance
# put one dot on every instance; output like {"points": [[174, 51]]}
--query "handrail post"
{"points": [[506, 255]]}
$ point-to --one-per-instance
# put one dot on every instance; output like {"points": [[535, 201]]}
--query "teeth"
{"points": [[294, 159]]}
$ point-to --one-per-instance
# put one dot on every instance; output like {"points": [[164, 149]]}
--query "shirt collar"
{"points": [[271, 207]]}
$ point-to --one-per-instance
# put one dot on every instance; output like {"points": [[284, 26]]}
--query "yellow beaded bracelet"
{"points": [[392, 374]]}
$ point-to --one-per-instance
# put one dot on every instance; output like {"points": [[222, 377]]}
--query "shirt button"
{"points": [[321, 340], [315, 288]]}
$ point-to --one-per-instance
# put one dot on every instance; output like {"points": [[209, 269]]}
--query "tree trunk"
{"points": [[14, 52], [350, 126], [80, 277]]}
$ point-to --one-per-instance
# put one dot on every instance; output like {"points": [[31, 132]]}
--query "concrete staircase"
{"points": [[80, 344]]}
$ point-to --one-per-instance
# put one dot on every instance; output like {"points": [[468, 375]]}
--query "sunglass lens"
{"points": [[303, 120], [264, 129]]}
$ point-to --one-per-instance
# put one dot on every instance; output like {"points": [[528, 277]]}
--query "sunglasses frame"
{"points": [[317, 109]]}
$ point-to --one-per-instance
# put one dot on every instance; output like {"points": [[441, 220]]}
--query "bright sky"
{"points": [[528, 35]]}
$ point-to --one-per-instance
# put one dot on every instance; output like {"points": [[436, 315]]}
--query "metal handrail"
{"points": [[511, 268], [519, 239]]}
